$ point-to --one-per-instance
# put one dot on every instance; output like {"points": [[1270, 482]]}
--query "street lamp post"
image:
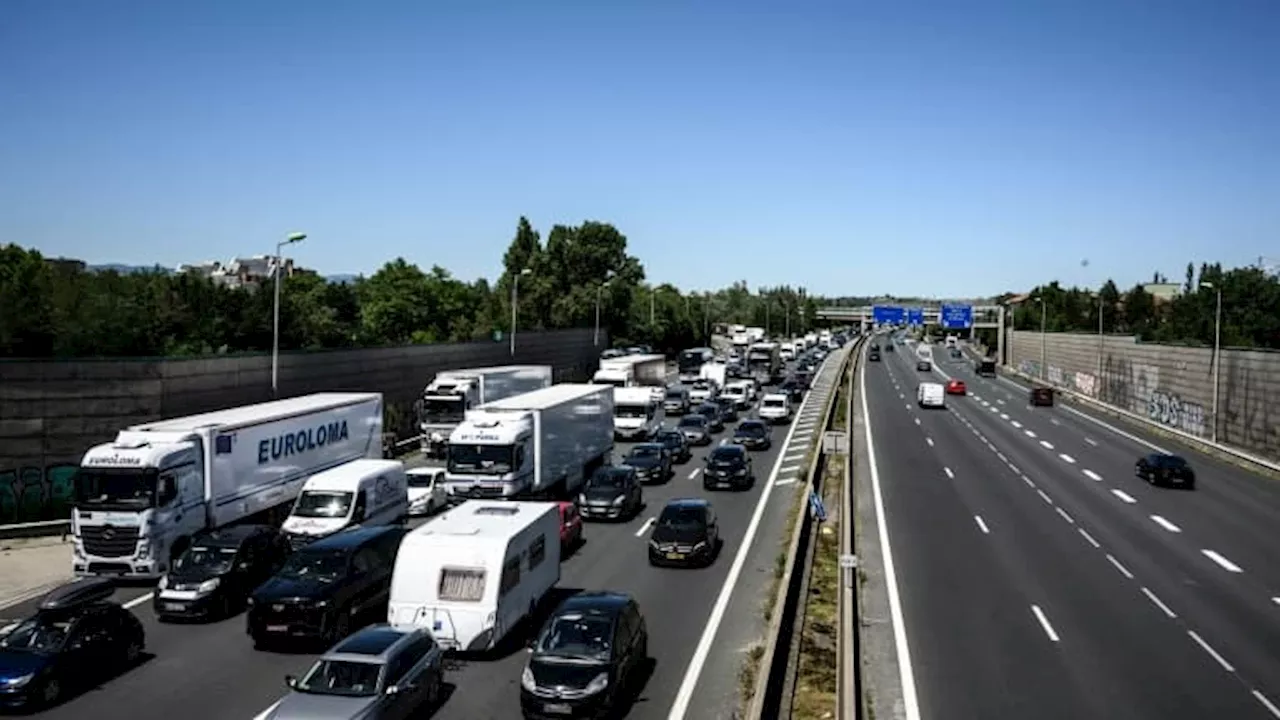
{"points": [[515, 302], [653, 302], [595, 338], [1217, 352], [1100, 338], [290, 239], [788, 323], [1044, 339]]}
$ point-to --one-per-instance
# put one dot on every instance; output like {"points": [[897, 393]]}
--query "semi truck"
{"points": [[451, 394], [140, 498], [649, 371], [764, 361], [543, 443], [690, 362]]}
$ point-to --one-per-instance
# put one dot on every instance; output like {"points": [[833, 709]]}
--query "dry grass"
{"points": [[815, 691]]}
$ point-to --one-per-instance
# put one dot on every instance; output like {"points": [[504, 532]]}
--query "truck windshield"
{"points": [[438, 409], [615, 382], [115, 488], [631, 411], [691, 360], [323, 504], [481, 459]]}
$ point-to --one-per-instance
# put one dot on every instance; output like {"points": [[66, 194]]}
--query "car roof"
{"points": [[375, 641], [596, 602], [688, 502], [648, 446], [751, 423], [729, 450], [352, 538], [230, 536]]}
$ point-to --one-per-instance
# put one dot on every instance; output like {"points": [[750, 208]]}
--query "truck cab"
{"points": [[619, 376], [635, 414], [491, 455], [444, 404]]}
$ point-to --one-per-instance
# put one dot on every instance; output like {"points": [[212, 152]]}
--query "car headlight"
{"points": [[209, 586], [742, 471], [655, 544], [320, 604], [527, 681], [700, 544], [597, 684], [20, 681], [620, 499], [582, 499], [164, 582]]}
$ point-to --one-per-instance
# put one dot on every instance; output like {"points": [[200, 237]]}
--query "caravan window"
{"points": [[461, 584], [537, 552], [510, 576]]}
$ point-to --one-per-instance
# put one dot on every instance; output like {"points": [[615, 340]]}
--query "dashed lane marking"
{"points": [[1124, 496], [981, 525], [1222, 562], [1046, 444], [1091, 441], [645, 527], [1044, 496], [1065, 516], [1266, 703], [929, 440], [1165, 524], [1088, 537], [1212, 653], [1016, 424], [786, 481], [1123, 570], [1029, 433], [1165, 608], [950, 474], [1044, 623], [1092, 475], [1067, 458], [694, 475]]}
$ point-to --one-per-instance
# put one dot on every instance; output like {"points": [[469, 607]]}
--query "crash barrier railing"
{"points": [[850, 701], [775, 672]]}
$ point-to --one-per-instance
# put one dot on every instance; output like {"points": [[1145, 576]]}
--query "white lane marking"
{"points": [[1004, 416], [680, 705], [908, 406], [1027, 480], [981, 525], [950, 474], [1212, 653], [901, 396], [1016, 424], [1045, 497], [1123, 570], [1088, 537], [1266, 703], [1165, 524], [929, 440], [986, 404], [1092, 475], [137, 601], [1091, 441], [1276, 600], [267, 713], [1123, 496], [999, 401], [1046, 444], [1067, 458], [789, 468], [1029, 433], [1054, 421], [995, 409], [917, 421], [788, 481], [1152, 597], [1224, 563], [1044, 623], [1065, 516], [910, 703], [645, 527], [694, 475], [1000, 455]]}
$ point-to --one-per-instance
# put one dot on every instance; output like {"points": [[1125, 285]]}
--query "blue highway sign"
{"points": [[888, 315], [956, 317], [915, 316]]}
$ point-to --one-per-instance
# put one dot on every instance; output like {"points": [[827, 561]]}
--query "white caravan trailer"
{"points": [[361, 492], [472, 574]]}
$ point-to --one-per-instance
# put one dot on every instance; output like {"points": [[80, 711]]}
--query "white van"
{"points": [[775, 408], [931, 394], [739, 393], [635, 414], [472, 574], [361, 492]]}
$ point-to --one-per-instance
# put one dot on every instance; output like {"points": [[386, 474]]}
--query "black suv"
{"points": [[753, 435], [677, 445], [651, 461], [711, 411], [586, 658], [728, 466], [326, 585], [1161, 469], [728, 409], [612, 493], [216, 573], [686, 533]]}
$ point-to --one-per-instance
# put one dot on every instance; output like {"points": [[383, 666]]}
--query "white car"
{"points": [[739, 393], [775, 408], [931, 394], [427, 494]]}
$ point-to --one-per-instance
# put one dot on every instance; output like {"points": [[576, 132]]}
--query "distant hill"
{"points": [[342, 279]]}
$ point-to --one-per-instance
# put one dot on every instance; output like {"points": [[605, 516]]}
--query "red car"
{"points": [[570, 527], [956, 387]]}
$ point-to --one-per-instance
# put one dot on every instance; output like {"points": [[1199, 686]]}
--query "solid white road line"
{"points": [[910, 704], [138, 601], [1165, 524], [1045, 497], [950, 474], [981, 525], [1123, 570], [694, 475], [680, 705], [1266, 703], [1029, 433], [1046, 444], [1224, 563], [1212, 653], [645, 527], [1065, 516], [1092, 475], [1044, 623], [1152, 597], [1123, 496], [1067, 458], [1088, 537]]}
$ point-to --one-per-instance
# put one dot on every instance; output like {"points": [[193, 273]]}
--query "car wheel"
{"points": [[433, 689], [50, 692]]}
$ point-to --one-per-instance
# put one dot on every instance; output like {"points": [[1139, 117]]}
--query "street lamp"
{"points": [[595, 339], [1217, 352], [653, 301], [788, 323], [290, 239], [515, 302], [1044, 339], [1100, 338]]}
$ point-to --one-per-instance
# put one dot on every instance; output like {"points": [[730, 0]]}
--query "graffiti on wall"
{"points": [[1172, 411], [31, 493], [1085, 383]]}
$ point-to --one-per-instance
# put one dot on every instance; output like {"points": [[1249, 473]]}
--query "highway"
{"points": [[1039, 578], [210, 671]]}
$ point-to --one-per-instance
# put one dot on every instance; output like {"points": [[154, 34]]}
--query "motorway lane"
{"points": [[210, 671], [1226, 612], [1101, 652]]}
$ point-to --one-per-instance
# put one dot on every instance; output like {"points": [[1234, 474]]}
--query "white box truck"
{"points": [[140, 498], [690, 362], [451, 394], [636, 414], [472, 574], [634, 371], [546, 442]]}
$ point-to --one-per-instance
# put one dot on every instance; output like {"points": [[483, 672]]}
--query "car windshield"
{"points": [[672, 440], [752, 429], [324, 566], [709, 410], [681, 516], [608, 478], [421, 480], [725, 455], [1172, 461], [212, 560], [646, 451], [675, 394], [693, 421], [341, 677], [37, 635], [577, 636], [775, 402], [323, 504]]}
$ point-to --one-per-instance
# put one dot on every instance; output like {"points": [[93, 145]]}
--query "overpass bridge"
{"points": [[979, 316]]}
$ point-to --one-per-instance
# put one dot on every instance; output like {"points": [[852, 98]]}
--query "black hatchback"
{"points": [[612, 493], [586, 659], [685, 534], [1162, 469], [325, 586], [715, 417], [728, 466], [216, 573], [753, 435], [677, 445]]}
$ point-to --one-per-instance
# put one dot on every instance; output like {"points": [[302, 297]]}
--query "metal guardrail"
{"points": [[770, 693], [42, 528], [849, 696]]}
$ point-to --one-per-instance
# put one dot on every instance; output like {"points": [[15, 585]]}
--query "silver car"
{"points": [[380, 672]]}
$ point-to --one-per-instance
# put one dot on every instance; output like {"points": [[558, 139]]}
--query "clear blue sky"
{"points": [[943, 148]]}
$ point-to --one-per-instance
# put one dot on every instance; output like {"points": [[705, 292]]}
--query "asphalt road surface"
{"points": [[211, 671], [1040, 578]]}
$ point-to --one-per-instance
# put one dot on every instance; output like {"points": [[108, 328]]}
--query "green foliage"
{"points": [[1250, 309], [54, 309]]}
